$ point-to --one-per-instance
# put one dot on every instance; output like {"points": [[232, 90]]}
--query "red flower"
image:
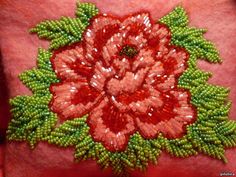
{"points": [[124, 75]]}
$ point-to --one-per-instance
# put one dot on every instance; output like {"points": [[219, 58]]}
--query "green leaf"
{"points": [[69, 133], [228, 141], [141, 151], [208, 96], [61, 32], [215, 115], [181, 33], [198, 46], [32, 119], [102, 155], [43, 60], [38, 80], [226, 127], [193, 77], [84, 148], [179, 147], [189, 38], [226, 131], [66, 30], [205, 140], [178, 17], [85, 11]]}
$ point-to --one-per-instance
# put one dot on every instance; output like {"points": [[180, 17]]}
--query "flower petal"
{"points": [[101, 29], [70, 64], [166, 83], [112, 47], [137, 23], [155, 73], [73, 99], [129, 83], [185, 111], [138, 40], [158, 78], [144, 59], [100, 76], [109, 126], [170, 119], [175, 62], [154, 101], [121, 66], [159, 35], [138, 102]]}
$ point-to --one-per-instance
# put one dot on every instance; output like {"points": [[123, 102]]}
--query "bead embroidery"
{"points": [[58, 77], [122, 95]]}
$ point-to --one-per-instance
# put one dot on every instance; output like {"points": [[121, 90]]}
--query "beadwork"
{"points": [[194, 114], [135, 91]]}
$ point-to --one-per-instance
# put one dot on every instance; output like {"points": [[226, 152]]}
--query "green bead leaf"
{"points": [[184, 32], [226, 131], [69, 133], [84, 148], [43, 60], [226, 127], [32, 119], [228, 141], [140, 151], [215, 115], [205, 140], [199, 47], [188, 37], [61, 32], [179, 147], [66, 30], [178, 17], [38, 80], [209, 96], [193, 77], [85, 11]]}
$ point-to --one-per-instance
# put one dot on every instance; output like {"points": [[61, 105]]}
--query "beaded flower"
{"points": [[124, 75], [122, 90]]}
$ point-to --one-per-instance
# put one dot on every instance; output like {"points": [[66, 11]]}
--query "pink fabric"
{"points": [[19, 51], [4, 107], [1, 159]]}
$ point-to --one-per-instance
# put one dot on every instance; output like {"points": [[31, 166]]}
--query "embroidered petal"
{"points": [[166, 83], [158, 78], [100, 76], [71, 64], [73, 99], [101, 29], [175, 61], [129, 83], [159, 35], [137, 40], [112, 47], [110, 126], [139, 101], [155, 73], [170, 119], [121, 66], [144, 59], [137, 23], [173, 64]]}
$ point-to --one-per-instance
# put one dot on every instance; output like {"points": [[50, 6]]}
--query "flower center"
{"points": [[129, 51]]}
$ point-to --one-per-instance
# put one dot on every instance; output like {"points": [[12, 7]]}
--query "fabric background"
{"points": [[19, 51]]}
